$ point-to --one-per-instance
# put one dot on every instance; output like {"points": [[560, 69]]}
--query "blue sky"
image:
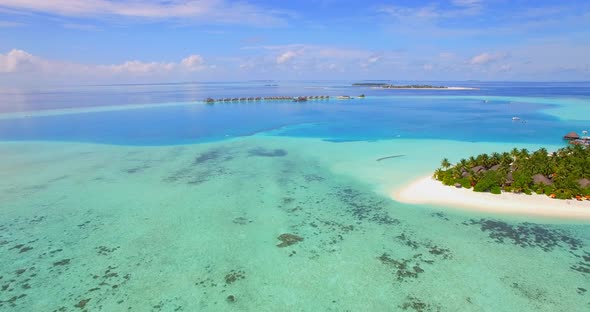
{"points": [[97, 41]]}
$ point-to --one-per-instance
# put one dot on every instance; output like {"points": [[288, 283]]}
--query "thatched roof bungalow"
{"points": [[477, 169], [571, 136], [509, 179], [584, 183], [541, 179], [495, 167]]}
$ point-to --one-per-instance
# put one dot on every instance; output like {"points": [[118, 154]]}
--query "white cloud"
{"points": [[19, 63], [222, 11], [373, 59], [287, 56], [193, 63], [138, 67], [486, 58]]}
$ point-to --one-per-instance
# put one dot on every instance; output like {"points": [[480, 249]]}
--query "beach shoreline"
{"points": [[427, 190]]}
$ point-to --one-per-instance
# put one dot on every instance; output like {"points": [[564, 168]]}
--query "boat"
{"points": [[343, 97], [515, 118]]}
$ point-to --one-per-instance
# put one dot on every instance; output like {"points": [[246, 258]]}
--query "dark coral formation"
{"points": [[439, 215], [262, 152], [62, 262], [406, 240], [205, 167], [82, 303], [105, 251], [313, 178], [413, 303], [217, 154], [288, 239], [584, 265], [443, 252], [532, 293], [241, 221], [527, 235], [365, 207], [406, 268], [234, 276]]}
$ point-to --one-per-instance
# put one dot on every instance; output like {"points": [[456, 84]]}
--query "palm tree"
{"points": [[524, 153], [472, 161], [496, 157], [484, 160], [506, 159], [445, 163], [438, 174], [515, 153]]}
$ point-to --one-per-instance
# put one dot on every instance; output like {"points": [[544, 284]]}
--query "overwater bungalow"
{"points": [[571, 136], [575, 139]]}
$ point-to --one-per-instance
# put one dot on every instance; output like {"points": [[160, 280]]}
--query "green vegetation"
{"points": [[562, 174]]}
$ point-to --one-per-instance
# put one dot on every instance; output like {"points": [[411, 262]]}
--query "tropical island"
{"points": [[563, 174], [421, 86]]}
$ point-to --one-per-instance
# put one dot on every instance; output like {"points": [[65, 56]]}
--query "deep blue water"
{"points": [[385, 114]]}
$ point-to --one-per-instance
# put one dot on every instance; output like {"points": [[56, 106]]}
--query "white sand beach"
{"points": [[427, 190]]}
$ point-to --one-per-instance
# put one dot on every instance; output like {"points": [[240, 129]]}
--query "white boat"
{"points": [[343, 97], [515, 118]]}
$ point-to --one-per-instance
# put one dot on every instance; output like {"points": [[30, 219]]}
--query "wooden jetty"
{"points": [[210, 100]]}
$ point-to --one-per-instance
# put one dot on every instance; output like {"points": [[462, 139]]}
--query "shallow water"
{"points": [[196, 227]]}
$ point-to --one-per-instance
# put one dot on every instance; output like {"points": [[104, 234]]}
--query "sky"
{"points": [[129, 41]]}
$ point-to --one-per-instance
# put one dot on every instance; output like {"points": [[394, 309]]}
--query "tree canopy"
{"points": [[560, 174]]}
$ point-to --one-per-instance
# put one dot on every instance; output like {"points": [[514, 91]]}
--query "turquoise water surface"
{"points": [[275, 206]]}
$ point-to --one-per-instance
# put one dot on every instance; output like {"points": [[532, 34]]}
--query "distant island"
{"points": [[413, 87], [369, 84], [563, 174], [423, 87]]}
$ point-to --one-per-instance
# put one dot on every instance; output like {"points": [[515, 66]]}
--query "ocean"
{"points": [[144, 198]]}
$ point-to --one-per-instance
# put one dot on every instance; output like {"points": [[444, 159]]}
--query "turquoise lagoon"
{"points": [[180, 206]]}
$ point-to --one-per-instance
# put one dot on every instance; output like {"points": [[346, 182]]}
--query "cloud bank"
{"points": [[19, 64], [219, 11]]}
